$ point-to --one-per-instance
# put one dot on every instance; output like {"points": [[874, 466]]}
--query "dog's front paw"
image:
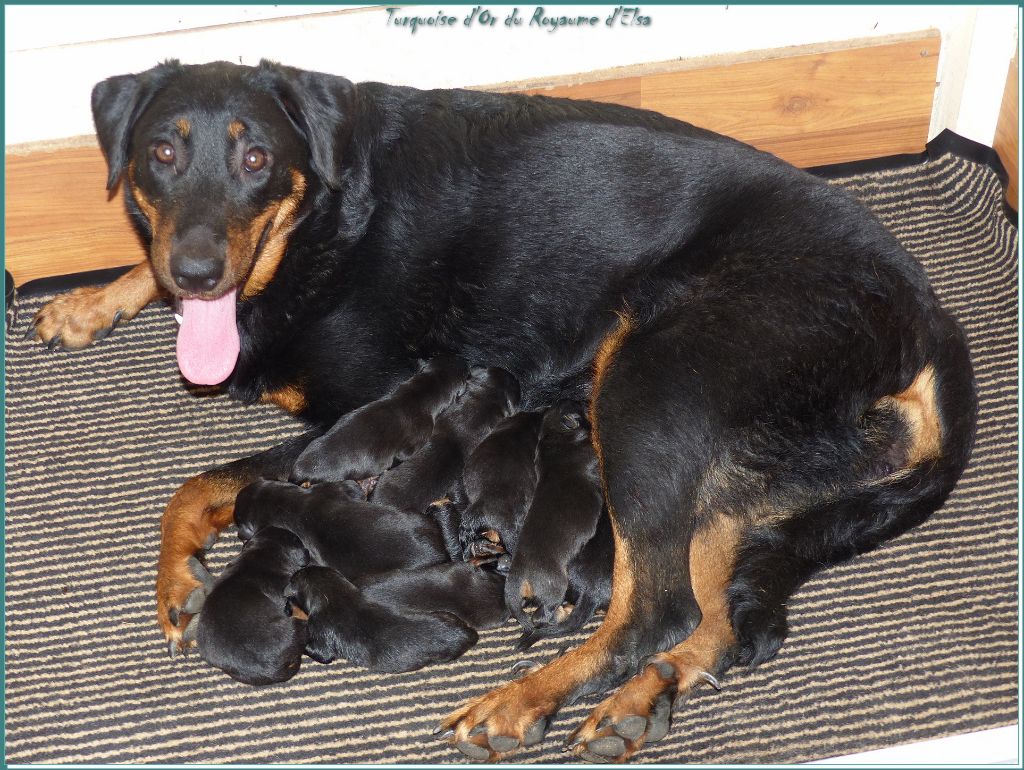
{"points": [[181, 591], [77, 319]]}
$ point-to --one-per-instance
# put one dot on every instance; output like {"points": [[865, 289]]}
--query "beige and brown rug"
{"points": [[914, 641]]}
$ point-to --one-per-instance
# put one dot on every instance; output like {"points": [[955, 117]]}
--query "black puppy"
{"points": [[246, 627], [497, 486], [340, 529], [491, 395], [370, 439], [590, 588], [400, 621], [562, 518]]}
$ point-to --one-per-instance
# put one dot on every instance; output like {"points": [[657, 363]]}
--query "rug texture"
{"points": [[914, 641]]}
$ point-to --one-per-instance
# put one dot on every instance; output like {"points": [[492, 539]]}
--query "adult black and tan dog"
{"points": [[772, 385]]}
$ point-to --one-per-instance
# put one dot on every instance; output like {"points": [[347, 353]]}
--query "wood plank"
{"points": [[59, 217], [620, 91], [812, 109], [829, 106], [1006, 140]]}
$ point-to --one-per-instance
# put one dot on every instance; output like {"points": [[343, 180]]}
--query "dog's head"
{"points": [[219, 161]]}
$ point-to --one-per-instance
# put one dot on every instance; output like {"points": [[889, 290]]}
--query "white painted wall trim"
{"points": [[62, 51]]}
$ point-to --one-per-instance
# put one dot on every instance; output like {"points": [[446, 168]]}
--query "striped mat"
{"points": [[915, 641]]}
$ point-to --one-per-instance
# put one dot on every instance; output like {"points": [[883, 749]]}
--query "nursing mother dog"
{"points": [[772, 385]]}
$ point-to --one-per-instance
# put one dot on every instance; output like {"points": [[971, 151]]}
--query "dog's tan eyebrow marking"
{"points": [[184, 127], [235, 129]]}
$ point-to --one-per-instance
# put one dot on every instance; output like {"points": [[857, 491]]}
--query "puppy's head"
{"points": [[496, 381], [264, 503], [220, 162], [247, 627]]}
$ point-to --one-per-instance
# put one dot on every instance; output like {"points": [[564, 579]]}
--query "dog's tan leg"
{"points": [[196, 514], [640, 712], [78, 318]]}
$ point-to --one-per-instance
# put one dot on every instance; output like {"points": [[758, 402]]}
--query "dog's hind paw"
{"points": [[638, 714], [498, 723]]}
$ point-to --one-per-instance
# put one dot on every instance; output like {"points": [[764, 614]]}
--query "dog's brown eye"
{"points": [[255, 159], [164, 152]]}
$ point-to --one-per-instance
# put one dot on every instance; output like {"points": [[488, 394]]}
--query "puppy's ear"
{"points": [[117, 103], [320, 106]]}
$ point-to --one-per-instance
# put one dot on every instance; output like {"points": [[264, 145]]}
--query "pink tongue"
{"points": [[208, 339]]}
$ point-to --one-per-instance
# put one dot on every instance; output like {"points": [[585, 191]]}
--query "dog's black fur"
{"points": [[497, 485], [740, 328], [340, 529], [400, 621], [562, 518], [490, 395], [246, 628], [369, 440]]}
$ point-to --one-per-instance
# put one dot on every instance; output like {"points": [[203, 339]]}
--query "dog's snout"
{"points": [[197, 273], [197, 260]]}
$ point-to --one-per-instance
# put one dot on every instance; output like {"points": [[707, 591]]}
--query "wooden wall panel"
{"points": [[619, 91], [1006, 141], [809, 108], [812, 109], [60, 218]]}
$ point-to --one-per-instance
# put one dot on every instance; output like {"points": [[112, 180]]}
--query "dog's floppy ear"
{"points": [[117, 103], [321, 107]]}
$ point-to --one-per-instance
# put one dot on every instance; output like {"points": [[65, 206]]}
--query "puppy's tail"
{"points": [[939, 413]]}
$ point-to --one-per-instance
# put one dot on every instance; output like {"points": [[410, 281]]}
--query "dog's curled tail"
{"points": [[939, 411]]}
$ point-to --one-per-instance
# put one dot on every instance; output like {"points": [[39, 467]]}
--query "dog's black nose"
{"points": [[197, 259], [197, 273]]}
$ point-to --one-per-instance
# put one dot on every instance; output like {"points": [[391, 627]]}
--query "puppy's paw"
{"points": [[77, 319]]}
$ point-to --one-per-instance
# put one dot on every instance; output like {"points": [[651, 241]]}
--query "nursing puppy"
{"points": [[341, 530], [590, 588], [562, 518], [491, 395], [371, 439], [399, 621], [497, 486], [247, 628]]}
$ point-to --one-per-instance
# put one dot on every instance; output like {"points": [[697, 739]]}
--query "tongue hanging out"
{"points": [[208, 339]]}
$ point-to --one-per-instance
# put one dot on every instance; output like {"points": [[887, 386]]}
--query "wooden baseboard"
{"points": [[1005, 142], [810, 107]]}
